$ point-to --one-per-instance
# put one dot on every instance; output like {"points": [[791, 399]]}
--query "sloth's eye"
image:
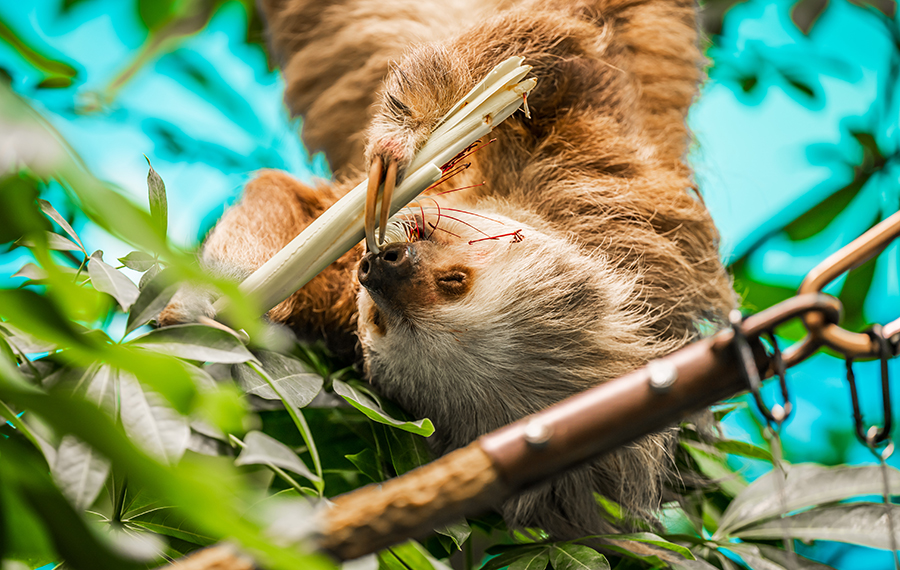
{"points": [[453, 282]]}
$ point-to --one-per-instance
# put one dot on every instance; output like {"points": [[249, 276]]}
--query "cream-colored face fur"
{"points": [[475, 334]]}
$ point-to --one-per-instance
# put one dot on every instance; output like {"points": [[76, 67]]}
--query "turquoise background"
{"points": [[208, 114]]}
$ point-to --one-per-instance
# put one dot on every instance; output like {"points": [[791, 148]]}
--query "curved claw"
{"points": [[371, 200], [390, 179]]}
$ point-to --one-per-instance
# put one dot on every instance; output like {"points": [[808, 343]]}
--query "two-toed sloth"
{"points": [[601, 254]]}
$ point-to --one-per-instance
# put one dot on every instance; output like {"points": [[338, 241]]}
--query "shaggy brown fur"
{"points": [[617, 263]]}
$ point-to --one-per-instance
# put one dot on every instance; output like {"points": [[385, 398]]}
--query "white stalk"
{"points": [[341, 227]]}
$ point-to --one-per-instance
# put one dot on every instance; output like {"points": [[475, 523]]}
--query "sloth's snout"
{"points": [[393, 263]]}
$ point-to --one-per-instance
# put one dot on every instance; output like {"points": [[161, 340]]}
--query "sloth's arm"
{"points": [[334, 55], [633, 62], [274, 209]]}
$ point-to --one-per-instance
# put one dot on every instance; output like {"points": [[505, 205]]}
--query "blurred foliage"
{"points": [[124, 451]]}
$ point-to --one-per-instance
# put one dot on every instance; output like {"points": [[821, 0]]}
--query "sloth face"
{"points": [[461, 328]]}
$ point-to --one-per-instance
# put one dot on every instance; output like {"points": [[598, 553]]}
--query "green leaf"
{"points": [[290, 375], [79, 471], [153, 298], [149, 275], [765, 557], [158, 206], [199, 492], [31, 271], [886, 7], [261, 449], [150, 423], [51, 67], [854, 523], [743, 449], [536, 560], [712, 464], [299, 421], [806, 12], [169, 522], [51, 213], [194, 342], [26, 342], [73, 539], [102, 389], [54, 241], [407, 450], [39, 318], [138, 261], [107, 279], [458, 532], [567, 556], [373, 411], [650, 538], [19, 214], [409, 555], [367, 463], [155, 13], [514, 553], [807, 485]]}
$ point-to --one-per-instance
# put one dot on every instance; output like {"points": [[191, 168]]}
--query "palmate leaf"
{"points": [[743, 449], [712, 464], [407, 450], [79, 471], [567, 556], [194, 342], [150, 423], [651, 539], [53, 241], [515, 553], [108, 279], [57, 73], [865, 524], [72, 539], [367, 464], [374, 411], [408, 555], [458, 532], [153, 298], [51, 213], [138, 261], [537, 560], [765, 557], [158, 205], [18, 213], [169, 522], [261, 449], [299, 421], [291, 376], [807, 485], [102, 389], [25, 342], [199, 491]]}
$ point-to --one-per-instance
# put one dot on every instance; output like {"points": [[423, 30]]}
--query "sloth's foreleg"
{"points": [[274, 209]]}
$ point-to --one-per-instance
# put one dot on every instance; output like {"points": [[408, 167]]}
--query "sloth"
{"points": [[565, 250]]}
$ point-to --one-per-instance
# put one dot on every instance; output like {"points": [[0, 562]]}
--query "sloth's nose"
{"points": [[379, 270]]}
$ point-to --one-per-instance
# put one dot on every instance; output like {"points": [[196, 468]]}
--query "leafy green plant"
{"points": [[125, 446]]}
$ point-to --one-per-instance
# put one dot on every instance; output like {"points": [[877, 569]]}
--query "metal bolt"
{"points": [[537, 434], [662, 375]]}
